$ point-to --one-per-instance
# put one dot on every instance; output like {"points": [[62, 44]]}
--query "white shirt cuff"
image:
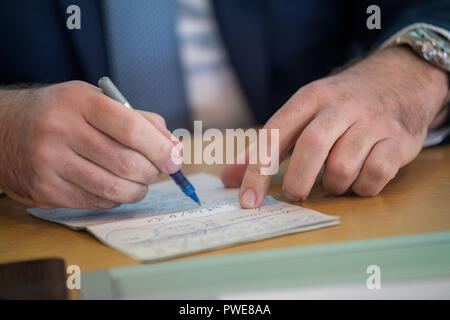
{"points": [[436, 136]]}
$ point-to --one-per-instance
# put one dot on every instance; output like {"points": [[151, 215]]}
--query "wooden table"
{"points": [[416, 201]]}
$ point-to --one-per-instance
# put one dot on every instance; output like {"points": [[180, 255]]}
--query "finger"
{"points": [[311, 150], [160, 123], [156, 120], [133, 130], [289, 121], [347, 156], [59, 193], [113, 156], [96, 180], [380, 167], [256, 178], [233, 173], [254, 187], [295, 115], [72, 196], [254, 184], [26, 201]]}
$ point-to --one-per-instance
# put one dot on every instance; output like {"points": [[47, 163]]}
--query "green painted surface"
{"points": [[399, 258]]}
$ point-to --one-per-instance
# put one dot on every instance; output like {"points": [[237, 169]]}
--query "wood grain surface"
{"points": [[416, 201]]}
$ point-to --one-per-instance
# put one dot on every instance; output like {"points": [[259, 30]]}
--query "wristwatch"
{"points": [[429, 45]]}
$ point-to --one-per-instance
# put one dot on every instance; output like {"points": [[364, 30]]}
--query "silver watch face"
{"points": [[430, 52]]}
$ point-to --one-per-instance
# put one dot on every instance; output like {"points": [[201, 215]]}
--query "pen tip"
{"points": [[199, 203]]}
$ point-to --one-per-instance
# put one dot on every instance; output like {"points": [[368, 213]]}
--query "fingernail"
{"points": [[173, 138], [249, 198], [174, 164], [290, 196]]}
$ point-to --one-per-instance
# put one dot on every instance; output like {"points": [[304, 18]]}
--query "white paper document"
{"points": [[167, 223]]}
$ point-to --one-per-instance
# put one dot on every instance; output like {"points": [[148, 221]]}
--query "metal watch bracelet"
{"points": [[428, 44]]}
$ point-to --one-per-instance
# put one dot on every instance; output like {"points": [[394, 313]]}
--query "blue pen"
{"points": [[180, 179]]}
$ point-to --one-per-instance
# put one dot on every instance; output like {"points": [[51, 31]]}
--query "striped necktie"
{"points": [[143, 56]]}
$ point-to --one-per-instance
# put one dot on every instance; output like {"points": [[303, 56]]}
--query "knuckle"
{"points": [[69, 91], [74, 84], [152, 175], [312, 90], [164, 151], [95, 142], [41, 155], [63, 91], [345, 96], [42, 190], [333, 186], [306, 97], [335, 189], [314, 140], [47, 124], [113, 190], [139, 194], [159, 119], [98, 102], [339, 169], [272, 124], [96, 203], [393, 128], [127, 164], [131, 131], [380, 171], [69, 167], [294, 191], [366, 190]]}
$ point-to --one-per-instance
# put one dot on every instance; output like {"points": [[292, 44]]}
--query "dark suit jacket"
{"points": [[275, 46]]}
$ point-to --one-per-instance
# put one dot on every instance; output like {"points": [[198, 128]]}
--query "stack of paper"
{"points": [[167, 224]]}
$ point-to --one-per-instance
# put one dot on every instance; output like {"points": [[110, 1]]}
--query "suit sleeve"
{"points": [[431, 12]]}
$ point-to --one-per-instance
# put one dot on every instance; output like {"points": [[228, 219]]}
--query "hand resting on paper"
{"points": [[361, 124]]}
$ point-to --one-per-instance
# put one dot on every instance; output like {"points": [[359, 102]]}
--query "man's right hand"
{"points": [[69, 145]]}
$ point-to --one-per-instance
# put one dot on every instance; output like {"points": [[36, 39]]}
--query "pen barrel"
{"points": [[111, 91], [181, 180]]}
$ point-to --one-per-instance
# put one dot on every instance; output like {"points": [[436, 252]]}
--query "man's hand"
{"points": [[363, 124], [69, 145]]}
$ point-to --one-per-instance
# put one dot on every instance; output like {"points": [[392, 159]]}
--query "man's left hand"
{"points": [[362, 124]]}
